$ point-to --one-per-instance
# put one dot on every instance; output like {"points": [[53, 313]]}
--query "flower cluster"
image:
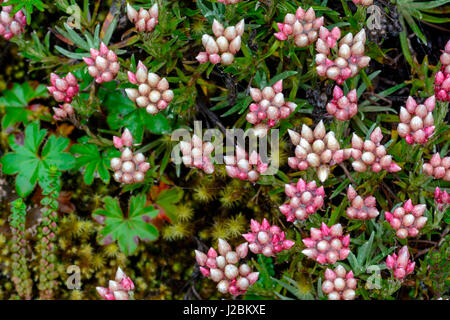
{"points": [[197, 153], [442, 78], [370, 154], [438, 167], [362, 209], [128, 168], [343, 107], [303, 27], [63, 89], [269, 106], [266, 239], [365, 3], [350, 55], [407, 220], [144, 20], [316, 149], [11, 26], [224, 268], [64, 111], [416, 121], [121, 288], [153, 93], [243, 167], [339, 284], [442, 198], [327, 244], [305, 199], [401, 265], [103, 65], [227, 44]]}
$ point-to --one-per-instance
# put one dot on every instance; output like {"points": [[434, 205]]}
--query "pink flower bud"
{"points": [[118, 143], [127, 138], [200, 257], [202, 57], [278, 86], [205, 272]]}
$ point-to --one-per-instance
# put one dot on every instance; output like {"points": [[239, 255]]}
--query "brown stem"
{"points": [[347, 173]]}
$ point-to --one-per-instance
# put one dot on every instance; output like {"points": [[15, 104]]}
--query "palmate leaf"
{"points": [[128, 230], [124, 114], [167, 200], [31, 167], [16, 101], [88, 156]]}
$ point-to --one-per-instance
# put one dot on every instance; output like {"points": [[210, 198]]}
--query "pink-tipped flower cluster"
{"points": [[442, 78], [103, 65], [416, 121], [229, 1], [365, 3], [350, 54], [243, 167], [304, 200], [266, 239], [224, 268], [407, 220], [11, 26], [327, 244], [339, 284], [361, 208], [370, 154], [316, 149], [144, 20], [128, 168], [153, 93], [442, 198], [197, 153], [343, 107], [65, 88], [225, 46], [438, 168], [121, 288], [64, 111], [401, 265], [268, 108], [303, 27]]}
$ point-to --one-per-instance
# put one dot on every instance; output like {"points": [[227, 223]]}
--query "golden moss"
{"points": [[219, 230], [76, 295], [176, 231], [98, 261], [203, 193], [111, 250], [184, 212], [235, 226]]}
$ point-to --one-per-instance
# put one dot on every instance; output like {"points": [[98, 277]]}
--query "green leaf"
{"points": [[281, 76], [31, 167], [356, 267], [364, 250], [128, 230], [88, 156], [124, 114], [404, 44], [167, 200], [16, 102]]}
